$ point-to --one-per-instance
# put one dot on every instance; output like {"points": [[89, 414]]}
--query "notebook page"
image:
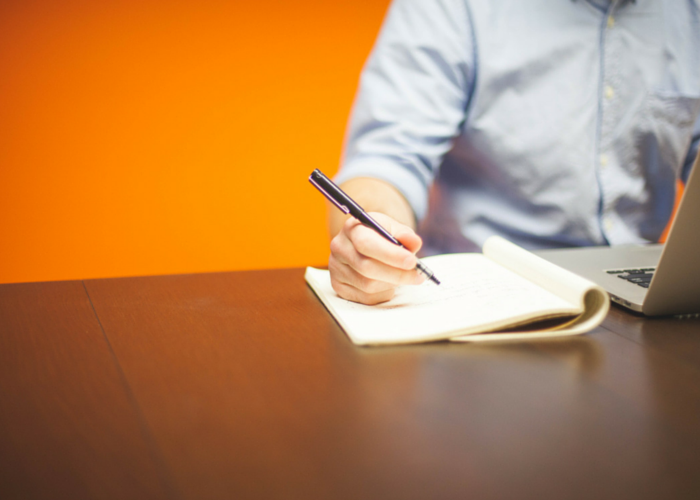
{"points": [[559, 281]]}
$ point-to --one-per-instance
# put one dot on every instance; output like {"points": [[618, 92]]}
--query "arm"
{"points": [[410, 105], [412, 98], [692, 152], [373, 195]]}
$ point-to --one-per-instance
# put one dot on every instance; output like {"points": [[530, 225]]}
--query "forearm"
{"points": [[372, 195]]}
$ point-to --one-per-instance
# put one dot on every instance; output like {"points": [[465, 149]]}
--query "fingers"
{"points": [[351, 293], [367, 268]]}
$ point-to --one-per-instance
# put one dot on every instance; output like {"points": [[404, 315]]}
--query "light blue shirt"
{"points": [[549, 122]]}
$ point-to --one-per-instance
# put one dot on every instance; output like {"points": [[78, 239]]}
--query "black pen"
{"points": [[348, 206]]}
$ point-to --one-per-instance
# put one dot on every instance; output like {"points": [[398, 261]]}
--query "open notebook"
{"points": [[503, 294]]}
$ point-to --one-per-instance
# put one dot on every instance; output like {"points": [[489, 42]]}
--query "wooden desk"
{"points": [[240, 385]]}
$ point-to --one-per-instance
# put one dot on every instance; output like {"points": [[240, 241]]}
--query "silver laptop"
{"points": [[651, 279]]}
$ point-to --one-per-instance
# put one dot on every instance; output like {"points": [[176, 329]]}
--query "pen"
{"points": [[348, 206]]}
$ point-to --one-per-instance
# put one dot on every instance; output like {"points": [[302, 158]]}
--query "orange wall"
{"points": [[151, 137]]}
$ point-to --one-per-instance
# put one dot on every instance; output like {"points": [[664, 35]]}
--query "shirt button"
{"points": [[609, 92], [608, 224], [611, 21], [603, 161]]}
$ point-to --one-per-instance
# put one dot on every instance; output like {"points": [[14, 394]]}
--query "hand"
{"points": [[367, 268]]}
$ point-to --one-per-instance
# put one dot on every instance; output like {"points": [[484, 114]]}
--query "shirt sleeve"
{"points": [[692, 152], [412, 97]]}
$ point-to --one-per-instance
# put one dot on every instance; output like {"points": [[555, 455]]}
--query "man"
{"points": [[550, 122]]}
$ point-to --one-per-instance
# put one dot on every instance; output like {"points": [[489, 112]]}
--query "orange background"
{"points": [[151, 137]]}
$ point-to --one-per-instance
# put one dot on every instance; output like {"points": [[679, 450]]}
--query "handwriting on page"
{"points": [[486, 285]]}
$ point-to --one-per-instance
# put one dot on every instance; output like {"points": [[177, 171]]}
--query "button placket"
{"points": [[608, 119]]}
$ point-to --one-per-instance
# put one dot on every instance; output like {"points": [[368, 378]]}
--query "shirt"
{"points": [[552, 123]]}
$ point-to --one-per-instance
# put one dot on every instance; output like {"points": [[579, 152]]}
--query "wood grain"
{"points": [[252, 391], [68, 426]]}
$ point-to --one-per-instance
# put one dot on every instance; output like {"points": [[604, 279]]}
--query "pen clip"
{"points": [[342, 208]]}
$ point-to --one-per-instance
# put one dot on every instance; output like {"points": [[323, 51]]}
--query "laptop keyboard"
{"points": [[641, 277]]}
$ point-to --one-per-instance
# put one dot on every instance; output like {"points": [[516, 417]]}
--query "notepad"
{"points": [[505, 293]]}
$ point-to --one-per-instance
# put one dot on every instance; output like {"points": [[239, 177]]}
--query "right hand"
{"points": [[366, 268]]}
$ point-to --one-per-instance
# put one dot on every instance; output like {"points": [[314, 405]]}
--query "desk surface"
{"points": [[240, 385]]}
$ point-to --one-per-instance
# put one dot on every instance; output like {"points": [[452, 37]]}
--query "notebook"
{"points": [[506, 293], [651, 279]]}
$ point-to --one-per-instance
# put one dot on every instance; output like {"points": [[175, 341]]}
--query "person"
{"points": [[552, 123]]}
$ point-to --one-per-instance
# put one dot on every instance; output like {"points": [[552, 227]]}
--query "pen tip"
{"points": [[435, 280]]}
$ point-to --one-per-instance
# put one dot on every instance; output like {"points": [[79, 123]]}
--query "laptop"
{"points": [[650, 279]]}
